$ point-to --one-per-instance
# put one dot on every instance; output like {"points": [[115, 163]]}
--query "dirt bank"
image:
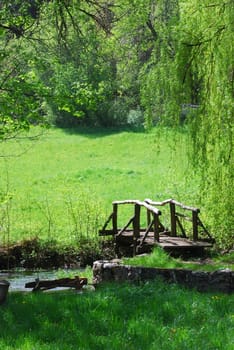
{"points": [[36, 254]]}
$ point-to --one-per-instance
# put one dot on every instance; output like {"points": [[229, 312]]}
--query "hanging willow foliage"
{"points": [[193, 66], [210, 37]]}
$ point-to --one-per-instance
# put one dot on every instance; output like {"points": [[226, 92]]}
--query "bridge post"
{"points": [[114, 219], [195, 225], [156, 228], [148, 217], [136, 226], [173, 219]]}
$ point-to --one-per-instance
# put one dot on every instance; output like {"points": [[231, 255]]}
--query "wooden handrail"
{"points": [[149, 201], [168, 201], [151, 208], [125, 227], [186, 207], [175, 215], [136, 221], [153, 221]]}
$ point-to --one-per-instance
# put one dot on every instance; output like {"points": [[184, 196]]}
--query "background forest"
{"points": [[135, 63]]}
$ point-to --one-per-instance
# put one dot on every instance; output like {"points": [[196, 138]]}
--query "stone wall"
{"points": [[217, 281]]}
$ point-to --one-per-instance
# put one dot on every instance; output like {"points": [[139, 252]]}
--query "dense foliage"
{"points": [[121, 62]]}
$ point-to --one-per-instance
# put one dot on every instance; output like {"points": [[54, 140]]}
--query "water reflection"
{"points": [[18, 279]]}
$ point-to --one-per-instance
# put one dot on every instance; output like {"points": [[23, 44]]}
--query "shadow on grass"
{"points": [[148, 316], [96, 132]]}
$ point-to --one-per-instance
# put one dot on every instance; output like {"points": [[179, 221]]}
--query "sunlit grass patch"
{"points": [[159, 258], [153, 315], [62, 184]]}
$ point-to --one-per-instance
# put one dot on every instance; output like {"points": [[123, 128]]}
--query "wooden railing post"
{"points": [[195, 225], [114, 218], [136, 226], [173, 219], [148, 217], [156, 228], [136, 221]]}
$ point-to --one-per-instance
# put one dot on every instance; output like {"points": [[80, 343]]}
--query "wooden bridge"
{"points": [[136, 238]]}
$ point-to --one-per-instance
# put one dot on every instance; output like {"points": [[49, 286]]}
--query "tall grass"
{"points": [[61, 185], [160, 259], [140, 317]]}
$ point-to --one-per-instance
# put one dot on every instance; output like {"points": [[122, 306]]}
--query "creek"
{"points": [[18, 278]]}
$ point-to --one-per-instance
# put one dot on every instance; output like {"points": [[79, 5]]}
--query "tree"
{"points": [[52, 58], [192, 64], [210, 40], [21, 91], [107, 60]]}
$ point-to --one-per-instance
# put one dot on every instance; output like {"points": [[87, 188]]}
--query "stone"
{"points": [[4, 286], [218, 281]]}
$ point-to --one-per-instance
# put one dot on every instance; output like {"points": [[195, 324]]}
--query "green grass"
{"points": [[61, 186], [150, 316], [159, 258]]}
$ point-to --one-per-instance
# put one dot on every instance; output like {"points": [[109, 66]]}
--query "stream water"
{"points": [[18, 279]]}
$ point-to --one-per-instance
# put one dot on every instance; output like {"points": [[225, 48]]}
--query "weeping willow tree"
{"points": [[171, 59], [192, 65], [210, 40]]}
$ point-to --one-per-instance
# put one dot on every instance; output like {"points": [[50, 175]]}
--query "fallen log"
{"points": [[77, 283]]}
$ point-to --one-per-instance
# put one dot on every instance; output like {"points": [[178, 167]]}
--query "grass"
{"points": [[148, 316], [159, 258], [61, 185]]}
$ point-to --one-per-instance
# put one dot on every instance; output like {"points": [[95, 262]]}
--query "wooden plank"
{"points": [[148, 213], [181, 242], [149, 201], [107, 222], [185, 217], [136, 226], [156, 228], [142, 204], [114, 218], [186, 207], [167, 201], [136, 221], [76, 283], [166, 241], [147, 232], [195, 225], [181, 227], [173, 219], [125, 227], [199, 222], [106, 232]]}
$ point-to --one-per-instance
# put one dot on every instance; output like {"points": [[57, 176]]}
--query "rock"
{"points": [[88, 288], [218, 281]]}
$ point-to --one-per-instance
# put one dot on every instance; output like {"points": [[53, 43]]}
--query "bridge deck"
{"points": [[136, 237], [166, 242]]}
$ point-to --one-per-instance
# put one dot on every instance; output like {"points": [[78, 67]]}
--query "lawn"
{"points": [[160, 259], [149, 316], [61, 185]]}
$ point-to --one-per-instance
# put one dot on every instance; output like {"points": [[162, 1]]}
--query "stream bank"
{"points": [[35, 254], [221, 281], [18, 278]]}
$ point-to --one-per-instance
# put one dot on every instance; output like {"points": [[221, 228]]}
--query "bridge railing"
{"points": [[139, 234], [175, 218], [134, 222]]}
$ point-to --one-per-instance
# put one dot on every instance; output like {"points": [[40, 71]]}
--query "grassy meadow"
{"points": [[159, 258], [148, 316], [61, 185]]}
